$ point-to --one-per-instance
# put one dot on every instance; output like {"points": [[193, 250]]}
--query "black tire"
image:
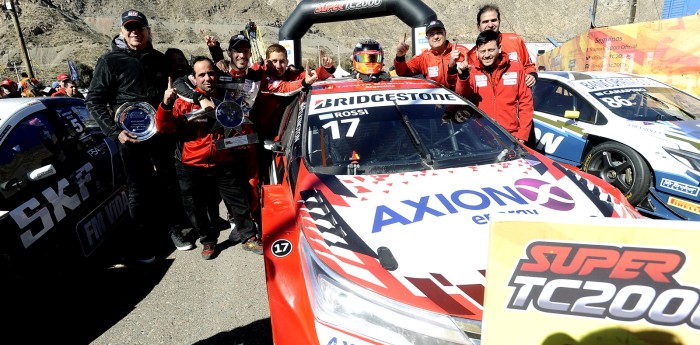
{"points": [[622, 167]]}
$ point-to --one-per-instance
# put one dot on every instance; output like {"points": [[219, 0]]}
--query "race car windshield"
{"points": [[376, 139], [650, 104]]}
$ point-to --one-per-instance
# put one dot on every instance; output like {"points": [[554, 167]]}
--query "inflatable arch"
{"points": [[414, 13]]}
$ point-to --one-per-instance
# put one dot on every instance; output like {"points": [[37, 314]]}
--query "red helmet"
{"points": [[62, 77], [368, 57]]}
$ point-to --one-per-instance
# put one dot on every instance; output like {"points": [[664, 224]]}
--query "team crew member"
{"points": [[278, 83], [489, 18], [201, 167], [497, 86], [438, 64]]}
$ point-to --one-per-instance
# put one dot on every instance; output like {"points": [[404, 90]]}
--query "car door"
{"points": [[560, 138], [56, 171]]}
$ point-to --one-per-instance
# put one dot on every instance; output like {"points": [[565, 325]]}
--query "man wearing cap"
{"points": [[69, 89], [133, 71], [438, 64], [489, 18]]}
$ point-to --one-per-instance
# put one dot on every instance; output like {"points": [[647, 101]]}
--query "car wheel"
{"points": [[622, 167]]}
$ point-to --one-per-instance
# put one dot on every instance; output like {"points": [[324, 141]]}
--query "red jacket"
{"points": [[197, 144], [60, 92], [431, 65], [502, 94], [269, 107], [516, 49]]}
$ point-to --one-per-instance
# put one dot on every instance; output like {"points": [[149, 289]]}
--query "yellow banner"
{"points": [[594, 281], [667, 50]]}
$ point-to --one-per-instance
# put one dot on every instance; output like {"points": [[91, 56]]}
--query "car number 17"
{"points": [[335, 130]]}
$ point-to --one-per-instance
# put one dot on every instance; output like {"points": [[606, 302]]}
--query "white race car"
{"points": [[638, 134]]}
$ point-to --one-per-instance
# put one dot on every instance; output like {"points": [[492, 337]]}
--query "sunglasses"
{"points": [[135, 27]]}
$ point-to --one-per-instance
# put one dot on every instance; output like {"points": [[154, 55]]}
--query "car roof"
{"points": [[12, 106], [586, 75]]}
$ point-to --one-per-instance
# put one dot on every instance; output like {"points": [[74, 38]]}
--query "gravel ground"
{"points": [[179, 299]]}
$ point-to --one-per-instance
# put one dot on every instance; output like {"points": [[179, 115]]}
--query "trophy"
{"points": [[137, 118], [230, 116]]}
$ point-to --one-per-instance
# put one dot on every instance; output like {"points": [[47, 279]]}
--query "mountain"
{"points": [[81, 30]]}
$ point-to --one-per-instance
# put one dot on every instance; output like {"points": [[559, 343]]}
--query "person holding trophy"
{"points": [[203, 162], [128, 83]]}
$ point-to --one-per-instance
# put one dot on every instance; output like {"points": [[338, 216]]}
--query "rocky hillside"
{"points": [[80, 30]]}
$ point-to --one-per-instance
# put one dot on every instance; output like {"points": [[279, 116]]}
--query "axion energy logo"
{"points": [[340, 6], [618, 283], [545, 194]]}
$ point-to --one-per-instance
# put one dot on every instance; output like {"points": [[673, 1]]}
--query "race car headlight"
{"points": [[341, 303], [689, 159]]}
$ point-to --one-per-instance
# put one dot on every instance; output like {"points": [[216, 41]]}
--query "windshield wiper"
{"points": [[422, 150]]}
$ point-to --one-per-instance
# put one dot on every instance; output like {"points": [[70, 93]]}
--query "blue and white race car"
{"points": [[637, 133]]}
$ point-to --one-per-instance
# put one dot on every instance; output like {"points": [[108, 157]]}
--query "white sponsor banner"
{"points": [[352, 100]]}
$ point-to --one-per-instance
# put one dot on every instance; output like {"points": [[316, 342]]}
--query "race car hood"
{"points": [[421, 238], [678, 131]]}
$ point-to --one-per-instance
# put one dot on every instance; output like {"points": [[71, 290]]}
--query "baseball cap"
{"points": [[62, 77], [237, 40], [8, 82], [134, 16], [434, 24]]}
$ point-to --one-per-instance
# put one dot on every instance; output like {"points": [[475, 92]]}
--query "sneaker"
{"points": [[179, 241], [234, 236], [254, 245], [208, 251]]}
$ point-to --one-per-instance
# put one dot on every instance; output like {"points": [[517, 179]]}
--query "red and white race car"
{"points": [[376, 220]]}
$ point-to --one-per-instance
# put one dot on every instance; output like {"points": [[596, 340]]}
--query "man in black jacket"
{"points": [[133, 71]]}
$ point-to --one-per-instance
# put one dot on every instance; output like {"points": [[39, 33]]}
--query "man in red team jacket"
{"points": [[497, 86]]}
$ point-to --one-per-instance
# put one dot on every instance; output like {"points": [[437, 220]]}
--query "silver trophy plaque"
{"points": [[137, 118]]}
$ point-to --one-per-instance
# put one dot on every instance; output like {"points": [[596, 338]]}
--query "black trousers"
{"points": [[199, 185], [149, 167]]}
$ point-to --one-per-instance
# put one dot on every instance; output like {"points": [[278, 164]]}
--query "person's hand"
{"points": [[125, 137], [326, 61], [311, 76], [222, 65], [463, 67], [402, 48], [207, 104], [530, 80], [170, 93], [210, 40], [454, 55]]}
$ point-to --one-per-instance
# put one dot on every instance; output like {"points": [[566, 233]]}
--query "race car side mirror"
{"points": [[274, 146], [572, 114]]}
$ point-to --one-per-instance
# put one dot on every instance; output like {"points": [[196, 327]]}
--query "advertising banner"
{"points": [[667, 50], [594, 281]]}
